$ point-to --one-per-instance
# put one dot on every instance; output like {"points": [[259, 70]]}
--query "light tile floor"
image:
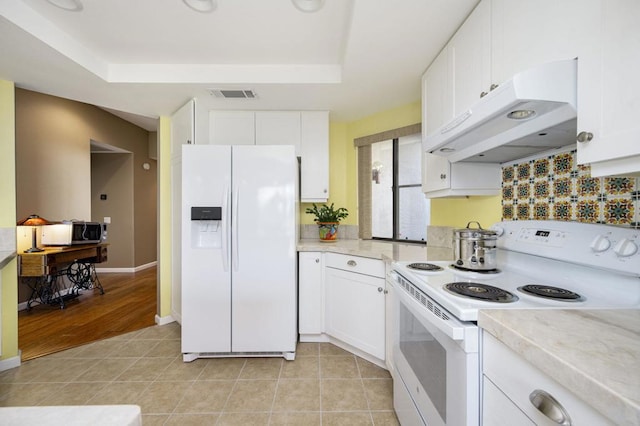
{"points": [[325, 385]]}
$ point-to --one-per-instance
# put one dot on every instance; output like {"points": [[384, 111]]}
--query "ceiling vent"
{"points": [[233, 94]]}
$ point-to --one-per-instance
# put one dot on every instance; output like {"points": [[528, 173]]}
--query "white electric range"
{"points": [[540, 264]]}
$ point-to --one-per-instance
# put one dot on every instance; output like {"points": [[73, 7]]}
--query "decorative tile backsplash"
{"points": [[557, 188]]}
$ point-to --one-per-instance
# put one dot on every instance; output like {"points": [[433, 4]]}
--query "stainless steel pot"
{"points": [[475, 248]]}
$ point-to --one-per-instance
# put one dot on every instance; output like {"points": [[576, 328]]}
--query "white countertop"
{"points": [[593, 353], [384, 250]]}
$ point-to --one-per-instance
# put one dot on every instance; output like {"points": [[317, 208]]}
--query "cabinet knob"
{"points": [[550, 407], [317, 260], [483, 94], [443, 176], [493, 86], [380, 289], [352, 263], [325, 190], [188, 141], [584, 136]]}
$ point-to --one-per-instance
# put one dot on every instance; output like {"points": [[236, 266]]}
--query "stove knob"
{"points": [[625, 248], [600, 243]]}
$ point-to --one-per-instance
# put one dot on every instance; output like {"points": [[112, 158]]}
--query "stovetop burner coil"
{"points": [[419, 266], [551, 292], [479, 271], [483, 292]]}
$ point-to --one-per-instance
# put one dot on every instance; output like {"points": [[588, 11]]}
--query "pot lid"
{"points": [[478, 232]]}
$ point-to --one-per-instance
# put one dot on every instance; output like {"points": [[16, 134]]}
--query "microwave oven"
{"points": [[70, 233]]}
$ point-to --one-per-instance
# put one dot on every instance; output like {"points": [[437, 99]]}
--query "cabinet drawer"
{"points": [[358, 264], [517, 379]]}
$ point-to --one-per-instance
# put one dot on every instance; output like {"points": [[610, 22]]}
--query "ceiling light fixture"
{"points": [[69, 5], [309, 6], [202, 6]]}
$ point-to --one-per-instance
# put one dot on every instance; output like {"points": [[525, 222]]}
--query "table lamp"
{"points": [[34, 221]]}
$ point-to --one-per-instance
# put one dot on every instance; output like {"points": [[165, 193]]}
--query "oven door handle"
{"points": [[441, 319]]}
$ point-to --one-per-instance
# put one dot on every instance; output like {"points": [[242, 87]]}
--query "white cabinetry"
{"points": [[314, 156], [440, 178], [232, 128], [307, 131], [437, 94], [609, 89], [355, 302], [516, 392], [526, 34], [278, 128], [470, 56], [310, 294], [453, 82]]}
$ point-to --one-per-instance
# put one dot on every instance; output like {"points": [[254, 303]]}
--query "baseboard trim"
{"points": [[164, 320], [9, 363], [128, 270]]}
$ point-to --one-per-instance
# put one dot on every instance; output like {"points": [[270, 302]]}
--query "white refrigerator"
{"points": [[239, 233]]}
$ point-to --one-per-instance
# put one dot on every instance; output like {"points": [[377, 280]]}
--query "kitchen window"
{"points": [[390, 200]]}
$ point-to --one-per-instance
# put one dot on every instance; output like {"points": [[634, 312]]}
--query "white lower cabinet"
{"points": [[341, 299], [355, 302], [310, 294], [498, 410], [515, 392]]}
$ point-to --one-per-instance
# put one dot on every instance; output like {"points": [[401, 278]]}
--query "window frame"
{"points": [[395, 194]]}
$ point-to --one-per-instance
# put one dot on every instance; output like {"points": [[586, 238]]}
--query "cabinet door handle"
{"points": [[352, 263], [483, 94], [550, 407], [443, 176], [493, 87], [380, 289], [317, 260], [584, 137]]}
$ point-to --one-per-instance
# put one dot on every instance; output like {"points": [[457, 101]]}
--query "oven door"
{"points": [[436, 357]]}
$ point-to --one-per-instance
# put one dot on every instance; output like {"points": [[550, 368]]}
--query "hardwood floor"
{"points": [[128, 304]]}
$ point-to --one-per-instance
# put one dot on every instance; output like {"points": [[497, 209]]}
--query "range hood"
{"points": [[533, 112]]}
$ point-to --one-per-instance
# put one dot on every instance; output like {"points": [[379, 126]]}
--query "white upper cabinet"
{"points": [[602, 34], [440, 178], [232, 127], [307, 131], [278, 128], [526, 34], [183, 127], [470, 55], [609, 90], [437, 99], [314, 156]]}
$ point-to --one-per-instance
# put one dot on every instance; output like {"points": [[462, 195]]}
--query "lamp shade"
{"points": [[33, 220]]}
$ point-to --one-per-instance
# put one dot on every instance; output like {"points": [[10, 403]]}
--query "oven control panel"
{"points": [[601, 246], [545, 237]]}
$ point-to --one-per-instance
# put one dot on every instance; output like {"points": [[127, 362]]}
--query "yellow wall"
{"points": [[164, 215], [457, 212], [9, 273], [343, 179]]}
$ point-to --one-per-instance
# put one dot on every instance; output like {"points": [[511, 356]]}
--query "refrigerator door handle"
{"points": [[226, 214], [234, 231]]}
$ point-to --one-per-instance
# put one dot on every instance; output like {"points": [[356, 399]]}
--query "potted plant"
{"points": [[328, 218]]}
